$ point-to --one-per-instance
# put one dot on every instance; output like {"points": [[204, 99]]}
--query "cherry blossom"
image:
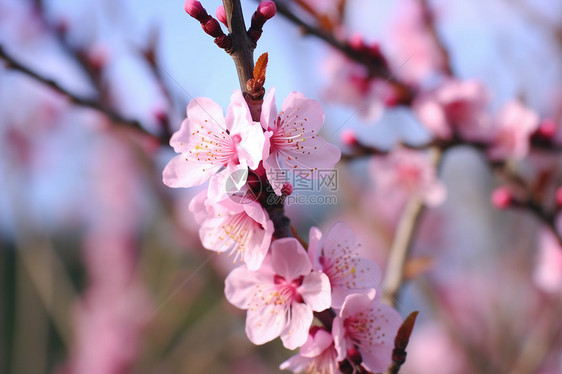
{"points": [[366, 327], [351, 85], [336, 255], [404, 172], [293, 137], [208, 142], [280, 296], [317, 355], [410, 40], [548, 271], [243, 230], [511, 131], [455, 107]]}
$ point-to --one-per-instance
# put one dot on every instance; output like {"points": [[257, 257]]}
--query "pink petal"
{"points": [[316, 292], [240, 286], [317, 343], [271, 165], [268, 117], [355, 304], [182, 173], [296, 104], [267, 323], [314, 237], [251, 147], [296, 331], [338, 332], [289, 259], [198, 111]]}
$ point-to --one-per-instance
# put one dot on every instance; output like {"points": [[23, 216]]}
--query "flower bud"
{"points": [[195, 9], [502, 198], [267, 9], [221, 15], [348, 137], [287, 189], [547, 128]]}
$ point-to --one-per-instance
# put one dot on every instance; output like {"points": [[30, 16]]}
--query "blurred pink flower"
{"points": [[208, 141], [455, 107], [548, 271], [368, 327], [244, 230], [411, 47], [511, 131], [281, 296], [432, 351], [404, 173], [317, 355], [335, 254], [350, 84], [294, 139]]}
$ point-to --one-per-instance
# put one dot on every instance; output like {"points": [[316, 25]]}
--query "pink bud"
{"points": [[287, 189], [221, 15], [356, 42], [348, 137], [559, 197], [547, 128], [502, 197], [194, 9], [267, 9]]}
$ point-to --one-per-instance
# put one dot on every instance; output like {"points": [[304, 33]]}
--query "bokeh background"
{"points": [[101, 270]]}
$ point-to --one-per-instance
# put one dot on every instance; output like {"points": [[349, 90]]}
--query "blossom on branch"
{"points": [[243, 230], [208, 142], [404, 173], [455, 108], [364, 330], [335, 254], [294, 139], [511, 131], [280, 296]]}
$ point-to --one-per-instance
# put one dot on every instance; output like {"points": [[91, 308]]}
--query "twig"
{"points": [[12, 63], [402, 243]]}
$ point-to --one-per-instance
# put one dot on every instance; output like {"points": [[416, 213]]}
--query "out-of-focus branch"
{"points": [[376, 67], [428, 19], [12, 63], [401, 245]]}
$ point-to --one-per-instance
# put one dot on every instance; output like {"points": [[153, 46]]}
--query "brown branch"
{"points": [[12, 63]]}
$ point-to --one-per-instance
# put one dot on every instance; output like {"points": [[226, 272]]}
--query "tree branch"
{"points": [[12, 63]]}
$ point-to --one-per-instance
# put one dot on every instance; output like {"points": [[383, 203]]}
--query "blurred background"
{"points": [[101, 269]]}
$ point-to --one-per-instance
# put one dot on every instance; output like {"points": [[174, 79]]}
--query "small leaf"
{"points": [[259, 69], [404, 332]]}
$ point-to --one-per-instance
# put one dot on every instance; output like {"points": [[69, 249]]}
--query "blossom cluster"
{"points": [[282, 285]]}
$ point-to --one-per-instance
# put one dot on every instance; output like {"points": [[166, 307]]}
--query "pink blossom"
{"points": [[244, 230], [317, 355], [511, 131], [336, 255], [294, 139], [367, 327], [455, 107], [410, 40], [280, 296], [404, 172], [351, 85], [548, 271], [207, 142]]}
